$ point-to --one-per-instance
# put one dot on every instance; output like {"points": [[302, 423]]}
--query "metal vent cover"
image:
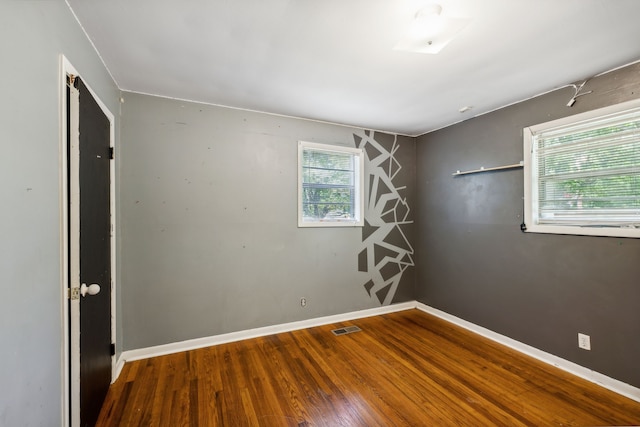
{"points": [[346, 330]]}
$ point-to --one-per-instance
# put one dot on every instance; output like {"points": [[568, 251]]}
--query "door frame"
{"points": [[71, 317]]}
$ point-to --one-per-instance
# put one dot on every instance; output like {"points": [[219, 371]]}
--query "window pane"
{"points": [[328, 176], [590, 171], [330, 184], [325, 159], [328, 203]]}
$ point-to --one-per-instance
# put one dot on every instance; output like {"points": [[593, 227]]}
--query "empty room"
{"points": [[320, 213]]}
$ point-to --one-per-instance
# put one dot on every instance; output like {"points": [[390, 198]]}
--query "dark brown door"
{"points": [[95, 255]]}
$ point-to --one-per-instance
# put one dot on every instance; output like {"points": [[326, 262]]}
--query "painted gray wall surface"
{"points": [[32, 36], [210, 242], [387, 236], [541, 289]]}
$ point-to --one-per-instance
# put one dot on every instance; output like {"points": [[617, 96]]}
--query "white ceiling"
{"points": [[333, 60]]}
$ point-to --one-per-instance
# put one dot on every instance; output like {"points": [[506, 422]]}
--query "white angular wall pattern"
{"points": [[386, 249]]}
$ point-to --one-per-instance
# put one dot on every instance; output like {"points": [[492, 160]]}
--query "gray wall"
{"points": [[32, 36], [208, 238], [475, 263], [210, 242]]}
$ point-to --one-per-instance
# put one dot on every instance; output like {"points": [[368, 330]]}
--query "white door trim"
{"points": [[69, 192]]}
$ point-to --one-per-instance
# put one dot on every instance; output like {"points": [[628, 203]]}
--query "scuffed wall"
{"points": [[210, 242], [33, 35]]}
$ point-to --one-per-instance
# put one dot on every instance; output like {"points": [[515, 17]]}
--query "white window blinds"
{"points": [[588, 173], [330, 184]]}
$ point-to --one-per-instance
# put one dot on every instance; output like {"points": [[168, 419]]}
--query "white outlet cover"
{"points": [[584, 341]]}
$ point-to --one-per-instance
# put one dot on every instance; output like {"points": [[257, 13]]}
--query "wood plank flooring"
{"points": [[402, 369]]}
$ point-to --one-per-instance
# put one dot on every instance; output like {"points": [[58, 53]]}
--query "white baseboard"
{"points": [[119, 365], [595, 377], [573, 368], [161, 350]]}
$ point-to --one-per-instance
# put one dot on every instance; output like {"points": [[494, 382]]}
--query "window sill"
{"points": [[312, 224], [603, 231]]}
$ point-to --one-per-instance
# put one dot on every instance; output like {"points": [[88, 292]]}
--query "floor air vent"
{"points": [[345, 331]]}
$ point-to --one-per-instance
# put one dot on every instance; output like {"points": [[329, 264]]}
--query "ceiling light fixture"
{"points": [[430, 30]]}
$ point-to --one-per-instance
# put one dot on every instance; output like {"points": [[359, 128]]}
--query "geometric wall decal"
{"points": [[367, 230], [372, 179], [401, 210], [386, 141], [381, 190], [407, 260], [358, 140], [394, 167], [391, 204], [383, 293], [362, 260], [380, 253], [397, 238], [386, 247], [389, 217], [389, 270], [368, 286], [401, 193], [372, 153]]}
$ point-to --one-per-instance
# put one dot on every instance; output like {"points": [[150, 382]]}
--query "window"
{"points": [[330, 185], [582, 173]]}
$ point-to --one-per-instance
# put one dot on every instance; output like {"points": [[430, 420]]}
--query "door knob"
{"points": [[92, 289]]}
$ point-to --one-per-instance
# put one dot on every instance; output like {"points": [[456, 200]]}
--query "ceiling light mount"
{"points": [[429, 11], [431, 30]]}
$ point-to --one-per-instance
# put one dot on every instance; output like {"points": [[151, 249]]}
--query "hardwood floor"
{"points": [[403, 369]]}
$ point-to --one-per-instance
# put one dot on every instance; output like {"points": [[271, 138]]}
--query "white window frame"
{"points": [[531, 178], [358, 154]]}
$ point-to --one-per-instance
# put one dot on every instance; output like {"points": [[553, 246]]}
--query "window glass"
{"points": [[329, 185], [582, 173]]}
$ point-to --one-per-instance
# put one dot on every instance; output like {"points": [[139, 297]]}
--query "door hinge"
{"points": [[113, 349], [111, 153], [73, 293]]}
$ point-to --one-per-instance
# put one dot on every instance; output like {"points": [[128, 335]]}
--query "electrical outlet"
{"points": [[584, 341], [303, 302]]}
